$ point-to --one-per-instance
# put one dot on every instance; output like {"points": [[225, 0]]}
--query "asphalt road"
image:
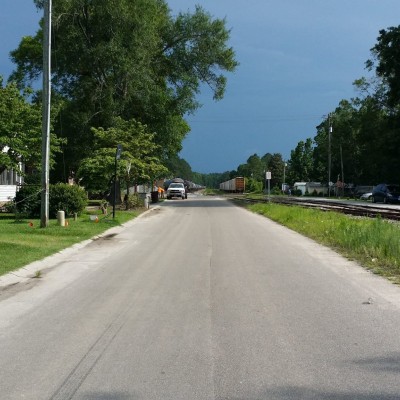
{"points": [[199, 299]]}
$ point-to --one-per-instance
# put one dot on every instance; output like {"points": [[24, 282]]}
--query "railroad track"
{"points": [[326, 205]]}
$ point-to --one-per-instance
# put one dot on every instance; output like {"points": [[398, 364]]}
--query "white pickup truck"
{"points": [[176, 190]]}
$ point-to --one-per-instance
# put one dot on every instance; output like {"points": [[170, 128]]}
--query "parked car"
{"points": [[366, 196], [176, 189], [386, 193]]}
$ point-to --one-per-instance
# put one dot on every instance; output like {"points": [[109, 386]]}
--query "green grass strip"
{"points": [[23, 241], [374, 243]]}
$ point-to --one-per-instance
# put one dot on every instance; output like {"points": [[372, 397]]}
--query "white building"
{"points": [[10, 181]]}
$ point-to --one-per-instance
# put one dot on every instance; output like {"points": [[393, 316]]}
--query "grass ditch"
{"points": [[22, 241], [373, 243]]}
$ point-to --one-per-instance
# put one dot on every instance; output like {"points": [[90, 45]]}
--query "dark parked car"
{"points": [[386, 193]]}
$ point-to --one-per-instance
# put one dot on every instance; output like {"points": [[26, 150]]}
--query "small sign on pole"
{"points": [[268, 176]]}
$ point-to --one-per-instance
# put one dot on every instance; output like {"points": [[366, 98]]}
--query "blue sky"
{"points": [[298, 59]]}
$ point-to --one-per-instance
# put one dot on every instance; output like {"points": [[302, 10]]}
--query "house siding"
{"points": [[9, 182], [7, 192]]}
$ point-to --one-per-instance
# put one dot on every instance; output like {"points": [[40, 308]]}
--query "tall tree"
{"points": [[255, 167], [178, 167], [20, 130], [138, 163], [128, 58], [301, 162], [243, 170], [374, 126], [276, 166], [386, 60], [266, 159]]}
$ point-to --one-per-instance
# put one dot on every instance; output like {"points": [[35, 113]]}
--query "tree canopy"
{"points": [[138, 161], [129, 59], [386, 60], [20, 130]]}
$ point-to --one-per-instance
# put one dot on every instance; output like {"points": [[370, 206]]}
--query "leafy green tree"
{"points": [[386, 60], [362, 129], [128, 58], [178, 167], [138, 163], [276, 166], [345, 142], [377, 162], [255, 167], [214, 179], [265, 159], [301, 162], [243, 170], [21, 130]]}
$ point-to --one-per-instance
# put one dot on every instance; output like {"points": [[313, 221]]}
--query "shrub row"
{"points": [[71, 199]]}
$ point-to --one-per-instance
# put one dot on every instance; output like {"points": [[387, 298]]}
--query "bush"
{"points": [[276, 191], [28, 201], [135, 201], [253, 186], [71, 199]]}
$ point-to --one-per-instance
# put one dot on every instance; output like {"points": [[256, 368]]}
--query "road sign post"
{"points": [[268, 178]]}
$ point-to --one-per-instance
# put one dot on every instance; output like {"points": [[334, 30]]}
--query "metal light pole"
{"points": [[44, 209]]}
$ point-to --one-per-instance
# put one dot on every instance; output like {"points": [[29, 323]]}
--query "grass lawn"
{"points": [[374, 243], [23, 241]]}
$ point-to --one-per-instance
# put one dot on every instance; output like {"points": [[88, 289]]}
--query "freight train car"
{"points": [[236, 185]]}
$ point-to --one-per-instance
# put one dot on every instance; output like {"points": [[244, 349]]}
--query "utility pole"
{"points": [[329, 154], [44, 211]]}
